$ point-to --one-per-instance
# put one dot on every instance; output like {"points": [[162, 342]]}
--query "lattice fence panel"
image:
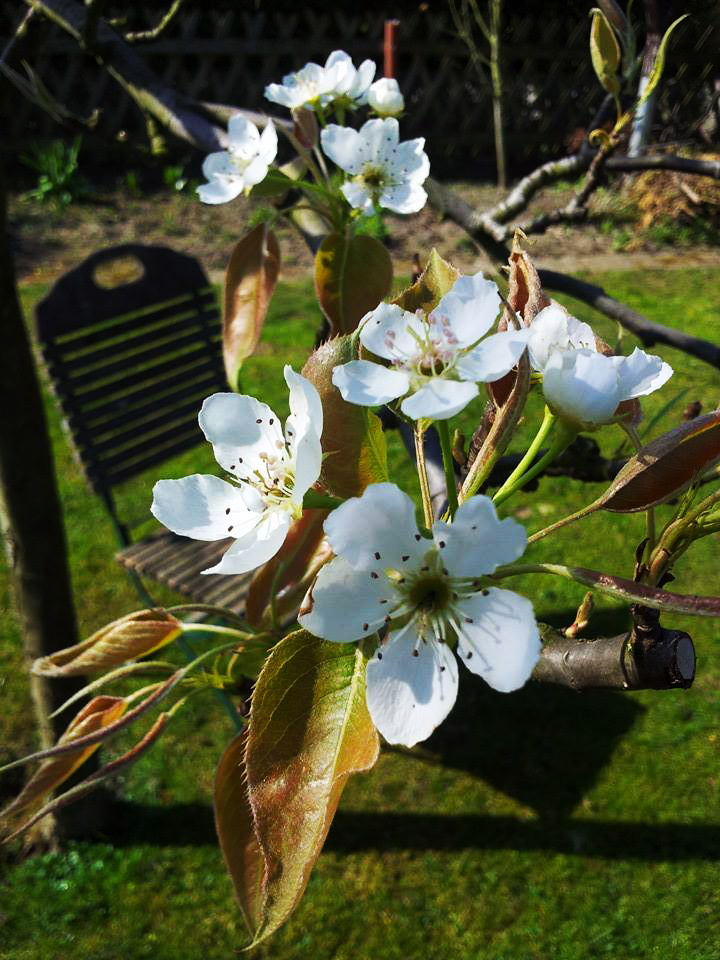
{"points": [[229, 55]]}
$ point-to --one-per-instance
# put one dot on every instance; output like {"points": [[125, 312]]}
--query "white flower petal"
{"points": [[257, 546], [493, 357], [240, 428], [243, 135], [378, 138], [254, 172], [342, 145], [220, 190], [305, 401], [202, 507], [471, 307], [268, 143], [358, 196], [377, 531], [369, 384], [404, 198], [439, 399], [281, 94], [219, 164], [580, 335], [581, 385], [344, 604], [392, 333], [500, 640], [364, 77], [641, 373], [385, 98], [407, 695], [477, 542]]}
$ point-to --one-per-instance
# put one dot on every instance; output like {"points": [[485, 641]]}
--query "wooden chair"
{"points": [[130, 365]]}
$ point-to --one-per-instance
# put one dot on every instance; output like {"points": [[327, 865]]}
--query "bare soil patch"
{"points": [[47, 242]]}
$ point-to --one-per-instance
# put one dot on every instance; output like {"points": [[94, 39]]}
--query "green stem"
{"points": [[518, 478], [584, 512], [451, 484], [422, 477], [209, 608], [190, 655]]}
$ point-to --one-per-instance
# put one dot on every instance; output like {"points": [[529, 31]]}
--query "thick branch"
{"points": [[160, 101], [646, 331], [615, 663]]}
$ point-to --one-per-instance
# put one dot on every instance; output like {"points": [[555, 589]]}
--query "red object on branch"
{"points": [[389, 46]]}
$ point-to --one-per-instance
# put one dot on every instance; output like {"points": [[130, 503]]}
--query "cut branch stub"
{"points": [[249, 284], [353, 442], [309, 731], [664, 467], [352, 276], [437, 279]]}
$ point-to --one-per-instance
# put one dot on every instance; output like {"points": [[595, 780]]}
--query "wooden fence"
{"points": [[229, 56]]}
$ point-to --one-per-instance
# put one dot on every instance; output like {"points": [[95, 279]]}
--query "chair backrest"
{"points": [[131, 364]]}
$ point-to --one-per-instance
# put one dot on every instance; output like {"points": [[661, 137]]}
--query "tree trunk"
{"points": [[497, 92], [30, 516], [642, 124]]}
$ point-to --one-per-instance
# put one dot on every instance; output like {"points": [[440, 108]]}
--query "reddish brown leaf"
{"points": [[249, 284], [309, 731], [236, 833], [351, 278], [125, 639], [353, 443], [296, 555], [665, 466], [99, 713]]}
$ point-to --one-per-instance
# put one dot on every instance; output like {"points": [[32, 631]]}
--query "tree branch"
{"points": [[143, 36]]}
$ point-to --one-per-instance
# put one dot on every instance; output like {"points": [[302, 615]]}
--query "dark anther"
{"points": [[485, 593], [271, 421], [232, 466], [387, 618], [384, 601], [406, 557], [373, 575], [227, 511], [474, 528], [424, 569], [418, 537], [441, 544], [468, 655], [365, 626], [377, 555], [259, 420], [240, 460], [442, 669], [416, 653], [445, 571], [379, 655], [469, 620], [229, 528]]}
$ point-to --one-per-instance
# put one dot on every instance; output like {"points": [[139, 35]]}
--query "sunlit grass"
{"points": [[539, 825]]}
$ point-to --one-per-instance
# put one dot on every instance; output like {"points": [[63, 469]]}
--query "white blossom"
{"points": [[437, 359], [269, 473], [580, 383], [242, 165], [383, 172], [385, 98], [428, 598], [315, 86]]}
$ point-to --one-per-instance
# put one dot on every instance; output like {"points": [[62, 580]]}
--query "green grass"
{"points": [[538, 825]]}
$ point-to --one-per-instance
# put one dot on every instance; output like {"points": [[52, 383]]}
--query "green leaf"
{"points": [[353, 442], [275, 184], [437, 279], [659, 65], [664, 467], [309, 730], [249, 284], [236, 833], [352, 276], [604, 52]]}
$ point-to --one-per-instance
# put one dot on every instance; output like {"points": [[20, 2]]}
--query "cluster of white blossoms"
{"points": [[436, 359], [580, 383], [380, 170]]}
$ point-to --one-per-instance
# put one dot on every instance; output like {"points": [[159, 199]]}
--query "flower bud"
{"points": [[385, 99]]}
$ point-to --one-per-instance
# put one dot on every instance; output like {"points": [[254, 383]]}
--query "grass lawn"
{"points": [[538, 825]]}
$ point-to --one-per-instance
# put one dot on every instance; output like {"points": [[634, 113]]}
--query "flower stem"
{"points": [[190, 655], [584, 512], [524, 472], [450, 482], [422, 476]]}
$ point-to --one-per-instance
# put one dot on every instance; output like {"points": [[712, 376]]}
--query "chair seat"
{"points": [[178, 562]]}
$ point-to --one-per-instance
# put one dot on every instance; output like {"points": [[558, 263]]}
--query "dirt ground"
{"points": [[47, 242]]}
